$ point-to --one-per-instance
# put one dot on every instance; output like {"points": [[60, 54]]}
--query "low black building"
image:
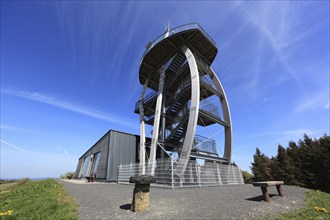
{"points": [[104, 157]]}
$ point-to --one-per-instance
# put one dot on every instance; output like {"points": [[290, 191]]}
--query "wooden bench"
{"points": [[91, 178], [266, 184]]}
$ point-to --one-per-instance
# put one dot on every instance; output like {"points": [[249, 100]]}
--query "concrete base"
{"points": [[141, 200]]}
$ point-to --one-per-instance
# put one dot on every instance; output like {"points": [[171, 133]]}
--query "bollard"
{"points": [[141, 200]]}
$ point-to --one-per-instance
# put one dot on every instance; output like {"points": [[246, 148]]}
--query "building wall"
{"points": [[122, 150], [115, 148], [101, 146]]}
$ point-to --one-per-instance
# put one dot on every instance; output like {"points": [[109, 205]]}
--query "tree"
{"points": [[284, 166], [305, 164], [261, 166]]}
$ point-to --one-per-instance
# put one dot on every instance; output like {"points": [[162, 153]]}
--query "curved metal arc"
{"points": [[193, 113], [226, 115]]}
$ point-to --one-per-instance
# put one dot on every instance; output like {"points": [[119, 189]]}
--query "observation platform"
{"points": [[168, 44]]}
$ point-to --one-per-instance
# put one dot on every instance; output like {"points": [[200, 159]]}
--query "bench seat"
{"points": [[268, 183], [263, 185]]}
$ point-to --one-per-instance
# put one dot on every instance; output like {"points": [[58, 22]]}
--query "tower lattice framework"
{"points": [[176, 69]]}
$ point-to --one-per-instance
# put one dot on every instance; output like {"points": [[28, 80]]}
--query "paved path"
{"points": [[112, 201]]}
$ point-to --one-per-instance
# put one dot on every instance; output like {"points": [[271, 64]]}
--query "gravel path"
{"points": [[112, 201]]}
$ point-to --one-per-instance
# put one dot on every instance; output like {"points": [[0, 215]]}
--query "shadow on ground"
{"points": [[259, 198], [125, 206]]}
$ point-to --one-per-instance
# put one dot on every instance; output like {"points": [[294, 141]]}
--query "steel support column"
{"points": [[155, 132], [142, 131], [193, 112]]}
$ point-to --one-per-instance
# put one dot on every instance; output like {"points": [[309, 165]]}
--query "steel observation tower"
{"points": [[175, 69]]}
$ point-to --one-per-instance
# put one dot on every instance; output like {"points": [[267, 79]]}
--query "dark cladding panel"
{"points": [[122, 150], [102, 147], [99, 147]]}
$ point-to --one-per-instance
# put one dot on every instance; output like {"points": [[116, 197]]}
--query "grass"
{"points": [[11, 184], [45, 199], [318, 208]]}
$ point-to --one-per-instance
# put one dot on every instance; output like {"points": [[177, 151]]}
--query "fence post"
{"points": [[199, 175], [240, 175], [219, 175], [119, 173], [234, 174], [172, 174]]}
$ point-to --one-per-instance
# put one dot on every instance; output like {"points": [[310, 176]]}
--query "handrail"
{"points": [[149, 96], [175, 30]]}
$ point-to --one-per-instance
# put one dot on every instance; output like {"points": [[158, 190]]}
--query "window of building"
{"points": [[95, 162], [85, 166]]}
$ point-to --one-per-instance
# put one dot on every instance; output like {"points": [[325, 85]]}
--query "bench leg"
{"points": [[279, 190], [265, 194]]}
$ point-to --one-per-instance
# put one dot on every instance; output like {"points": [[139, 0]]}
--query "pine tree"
{"points": [[295, 160], [261, 166], [322, 164], [284, 166], [305, 164]]}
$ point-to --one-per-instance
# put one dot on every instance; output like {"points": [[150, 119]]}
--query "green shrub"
{"points": [[67, 175], [248, 177]]}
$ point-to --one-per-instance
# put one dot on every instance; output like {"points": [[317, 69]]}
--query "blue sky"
{"points": [[69, 73]]}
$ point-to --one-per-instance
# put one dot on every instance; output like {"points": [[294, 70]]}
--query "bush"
{"points": [[248, 177], [68, 175]]}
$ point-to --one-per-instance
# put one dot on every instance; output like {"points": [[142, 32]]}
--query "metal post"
{"points": [[155, 132], [234, 173], [172, 173], [142, 131], [241, 175], [199, 175], [163, 123], [219, 175]]}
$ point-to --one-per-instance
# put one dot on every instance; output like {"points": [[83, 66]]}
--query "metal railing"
{"points": [[151, 95], [196, 175], [209, 107], [204, 144], [175, 30]]}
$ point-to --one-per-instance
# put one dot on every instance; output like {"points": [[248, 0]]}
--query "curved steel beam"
{"points": [[193, 113], [226, 115]]}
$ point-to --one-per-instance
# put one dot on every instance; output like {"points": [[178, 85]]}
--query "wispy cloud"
{"points": [[283, 137], [280, 24], [99, 43], [37, 164], [14, 128], [13, 146], [39, 97], [65, 151], [316, 101]]}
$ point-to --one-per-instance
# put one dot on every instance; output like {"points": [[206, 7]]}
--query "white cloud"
{"points": [[280, 24], [14, 128], [273, 138], [16, 162], [13, 146], [327, 106], [39, 97], [312, 102]]}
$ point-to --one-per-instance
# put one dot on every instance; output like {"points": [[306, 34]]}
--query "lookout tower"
{"points": [[176, 70]]}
